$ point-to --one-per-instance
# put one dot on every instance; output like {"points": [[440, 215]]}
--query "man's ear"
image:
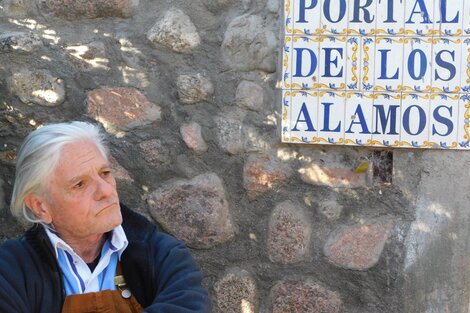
{"points": [[39, 206]]}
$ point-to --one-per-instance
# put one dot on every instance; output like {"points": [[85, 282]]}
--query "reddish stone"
{"points": [[289, 234], [91, 8], [304, 297], [236, 292], [191, 133], [358, 247], [123, 108], [195, 211], [154, 152], [262, 172]]}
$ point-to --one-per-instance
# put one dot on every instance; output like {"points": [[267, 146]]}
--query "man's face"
{"points": [[82, 201]]}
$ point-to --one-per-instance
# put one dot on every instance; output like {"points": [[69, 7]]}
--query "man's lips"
{"points": [[109, 206]]}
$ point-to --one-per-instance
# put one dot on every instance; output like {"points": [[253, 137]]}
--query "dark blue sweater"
{"points": [[159, 271]]}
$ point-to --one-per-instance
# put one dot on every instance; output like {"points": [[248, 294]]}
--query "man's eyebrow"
{"points": [[79, 177]]}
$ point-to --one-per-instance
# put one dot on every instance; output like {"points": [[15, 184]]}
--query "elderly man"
{"points": [[86, 252]]}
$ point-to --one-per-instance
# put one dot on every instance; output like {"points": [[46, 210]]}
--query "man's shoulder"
{"points": [[13, 245], [30, 245], [13, 252]]}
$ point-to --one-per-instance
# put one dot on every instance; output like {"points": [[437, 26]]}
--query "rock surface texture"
{"points": [[175, 31], [195, 210]]}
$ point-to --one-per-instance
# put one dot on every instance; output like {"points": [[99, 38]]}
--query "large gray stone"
{"points": [[250, 95], [289, 234], [194, 88], [195, 211], [250, 45], [20, 42], [229, 133], [236, 292], [175, 31], [37, 87]]}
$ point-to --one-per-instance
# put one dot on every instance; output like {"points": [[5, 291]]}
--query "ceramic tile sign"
{"points": [[381, 73]]}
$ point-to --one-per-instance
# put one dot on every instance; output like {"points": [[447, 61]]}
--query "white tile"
{"points": [[358, 118], [362, 19], [286, 120], [448, 17], [388, 72], [417, 64], [465, 68], [305, 62], [331, 117], [306, 16], [390, 18], [304, 116], [333, 60], [419, 17], [334, 18], [447, 62], [466, 18], [353, 64], [463, 128], [367, 64], [444, 120], [386, 125], [414, 120]]}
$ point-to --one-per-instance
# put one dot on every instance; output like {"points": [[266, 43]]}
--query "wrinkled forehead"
{"points": [[78, 158]]}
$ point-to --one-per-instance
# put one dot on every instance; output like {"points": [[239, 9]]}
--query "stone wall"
{"points": [[187, 92]]}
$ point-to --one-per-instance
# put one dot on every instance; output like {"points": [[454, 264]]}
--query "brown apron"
{"points": [[106, 301]]}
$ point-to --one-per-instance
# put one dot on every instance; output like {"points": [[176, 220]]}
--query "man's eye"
{"points": [[78, 185], [106, 173]]}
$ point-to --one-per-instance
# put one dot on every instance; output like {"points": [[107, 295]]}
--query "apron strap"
{"points": [[106, 301]]}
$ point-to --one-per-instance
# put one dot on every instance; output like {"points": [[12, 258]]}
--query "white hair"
{"points": [[38, 156]]}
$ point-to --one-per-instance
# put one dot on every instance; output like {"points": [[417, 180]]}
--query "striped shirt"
{"points": [[77, 276]]}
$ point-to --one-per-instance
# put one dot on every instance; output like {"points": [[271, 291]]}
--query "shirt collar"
{"points": [[117, 241]]}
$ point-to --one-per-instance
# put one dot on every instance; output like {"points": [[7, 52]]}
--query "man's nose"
{"points": [[104, 188]]}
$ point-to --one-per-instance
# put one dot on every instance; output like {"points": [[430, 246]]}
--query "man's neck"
{"points": [[88, 249]]}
